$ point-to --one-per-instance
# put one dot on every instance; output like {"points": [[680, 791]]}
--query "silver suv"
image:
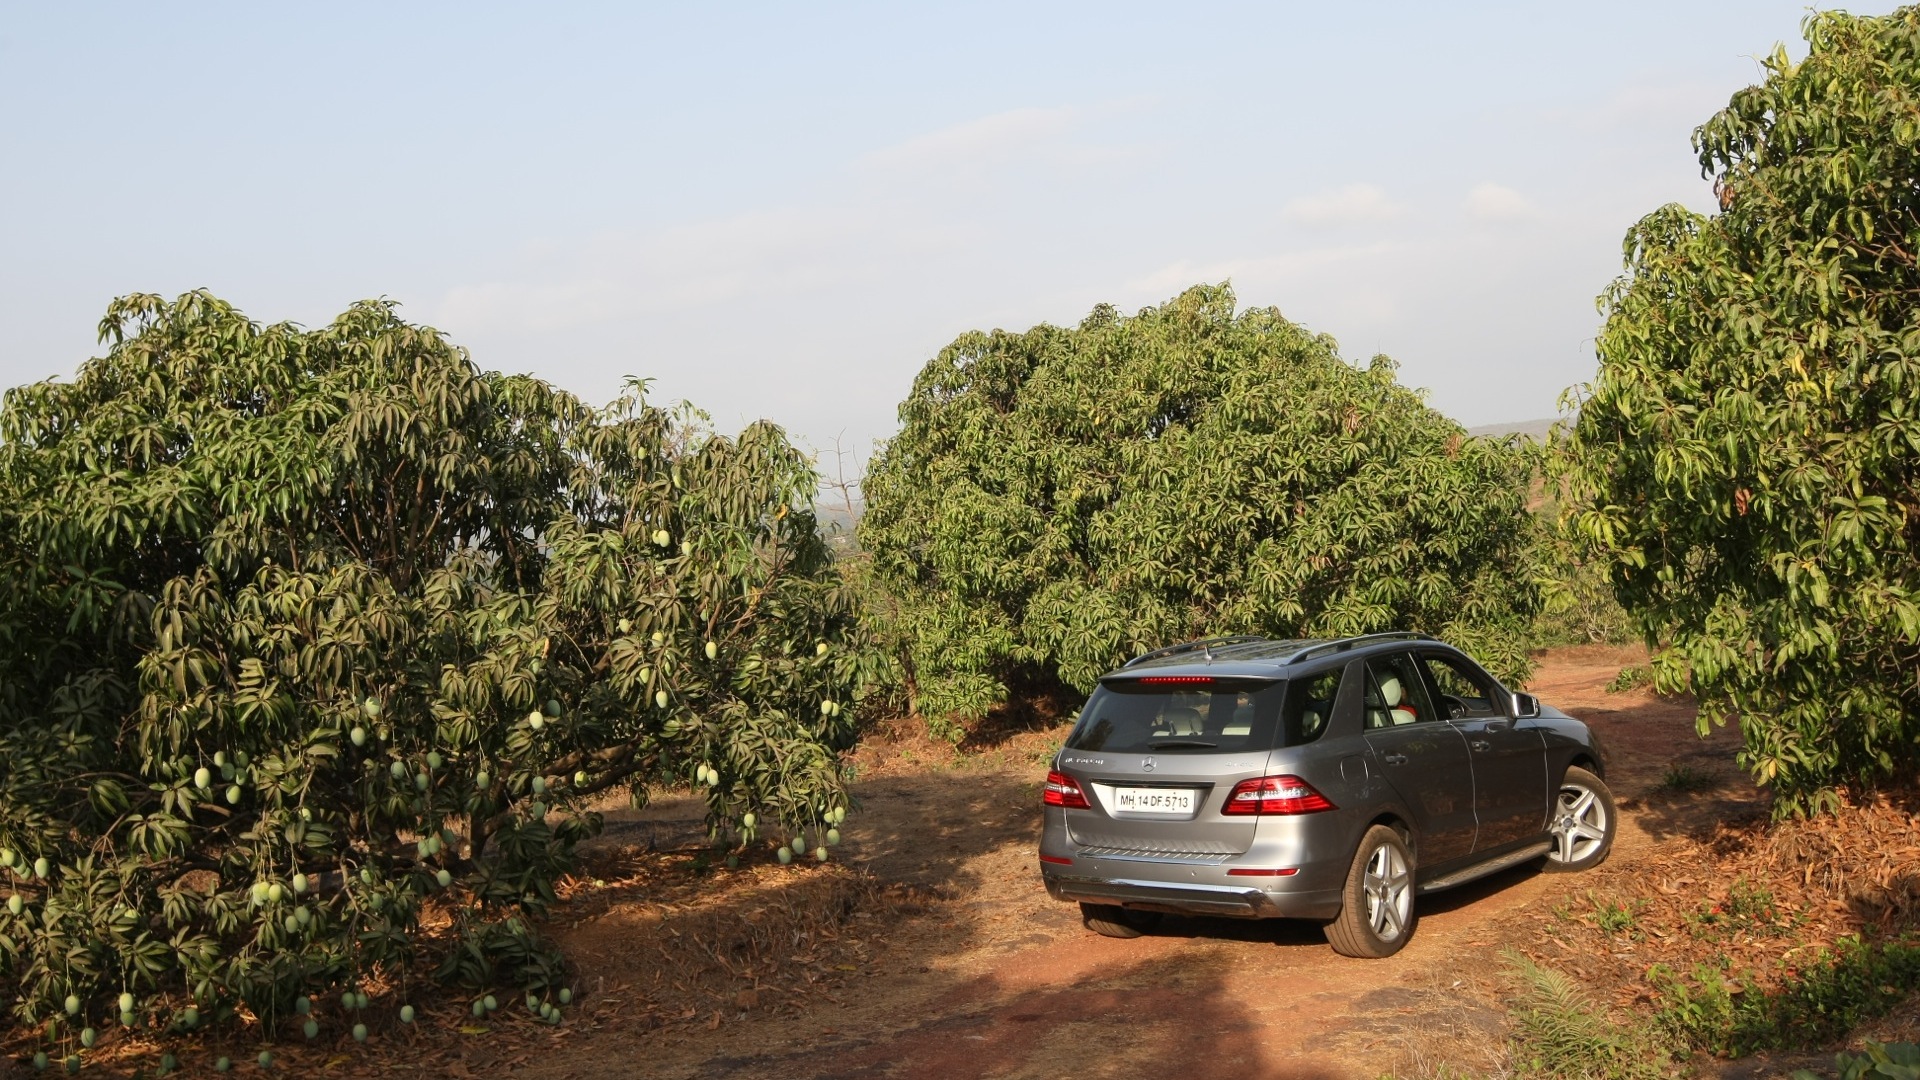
{"points": [[1324, 780]]}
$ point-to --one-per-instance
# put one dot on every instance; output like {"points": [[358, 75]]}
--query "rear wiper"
{"points": [[1181, 744]]}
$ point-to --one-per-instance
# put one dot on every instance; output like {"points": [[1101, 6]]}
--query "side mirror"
{"points": [[1523, 706]]}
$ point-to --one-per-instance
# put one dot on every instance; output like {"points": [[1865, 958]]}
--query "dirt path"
{"points": [[997, 980]]}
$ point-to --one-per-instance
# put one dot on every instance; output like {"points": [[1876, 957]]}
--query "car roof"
{"points": [[1257, 657]]}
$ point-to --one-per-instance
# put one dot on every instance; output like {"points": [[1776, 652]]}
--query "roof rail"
{"points": [[1357, 640], [1205, 645]]}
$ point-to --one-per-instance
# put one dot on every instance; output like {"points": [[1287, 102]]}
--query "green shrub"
{"points": [[1560, 1032], [1825, 999]]}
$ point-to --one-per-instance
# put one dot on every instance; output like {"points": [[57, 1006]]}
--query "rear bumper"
{"points": [[1251, 901], [1206, 883]]}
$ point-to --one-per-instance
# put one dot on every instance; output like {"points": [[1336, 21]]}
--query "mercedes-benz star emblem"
{"points": [[1146, 765]]}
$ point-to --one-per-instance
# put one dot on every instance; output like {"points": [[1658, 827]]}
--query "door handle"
{"points": [[1481, 744], [1394, 759]]}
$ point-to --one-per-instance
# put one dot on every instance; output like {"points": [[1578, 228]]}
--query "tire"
{"points": [[1376, 917], [1112, 920], [1582, 824]]}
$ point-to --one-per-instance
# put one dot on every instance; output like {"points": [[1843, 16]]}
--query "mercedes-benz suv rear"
{"points": [[1324, 780]]}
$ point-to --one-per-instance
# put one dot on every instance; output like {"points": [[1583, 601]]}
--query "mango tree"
{"points": [[306, 631], [1745, 458], [1061, 498]]}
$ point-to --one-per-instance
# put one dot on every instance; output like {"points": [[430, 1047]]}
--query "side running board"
{"points": [[1491, 866]]}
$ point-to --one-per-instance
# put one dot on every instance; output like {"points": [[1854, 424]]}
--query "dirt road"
{"points": [[991, 978]]}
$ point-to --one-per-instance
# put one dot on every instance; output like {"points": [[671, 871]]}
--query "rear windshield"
{"points": [[1135, 716]]}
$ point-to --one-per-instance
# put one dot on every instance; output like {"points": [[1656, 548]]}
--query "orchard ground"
{"points": [[927, 946]]}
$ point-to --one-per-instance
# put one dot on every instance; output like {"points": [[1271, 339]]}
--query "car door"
{"points": [[1509, 757], [1422, 756]]}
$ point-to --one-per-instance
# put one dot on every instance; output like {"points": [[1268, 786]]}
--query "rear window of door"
{"points": [[1396, 694]]}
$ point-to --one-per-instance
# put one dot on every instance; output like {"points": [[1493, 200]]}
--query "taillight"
{"points": [[1063, 791], [1275, 795]]}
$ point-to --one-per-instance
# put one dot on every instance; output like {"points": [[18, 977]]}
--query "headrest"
{"points": [[1390, 691]]}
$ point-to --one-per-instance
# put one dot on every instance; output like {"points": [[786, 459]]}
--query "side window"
{"points": [[1396, 694], [1463, 692], [1310, 705]]}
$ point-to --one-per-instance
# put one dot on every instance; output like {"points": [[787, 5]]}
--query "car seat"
{"points": [[1395, 697], [1181, 720]]}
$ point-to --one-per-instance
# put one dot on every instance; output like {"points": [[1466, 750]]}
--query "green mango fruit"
{"points": [[300, 883], [444, 877], [128, 1019], [833, 837], [303, 1005], [820, 853], [88, 1037], [553, 707], [406, 1014], [15, 905], [784, 854], [222, 1063], [72, 1004], [820, 649], [398, 769], [126, 1002], [311, 1028], [749, 819], [535, 720], [203, 778], [490, 1002], [276, 893], [566, 995], [233, 795], [358, 735], [580, 778], [539, 785], [713, 650], [434, 760], [360, 1033], [660, 698], [265, 1059]]}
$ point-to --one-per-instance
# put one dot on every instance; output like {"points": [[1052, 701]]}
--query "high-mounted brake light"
{"points": [[1063, 791], [1275, 795], [1175, 680]]}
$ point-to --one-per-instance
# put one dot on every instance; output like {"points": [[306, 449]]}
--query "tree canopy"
{"points": [[1059, 499], [308, 630], [1747, 454]]}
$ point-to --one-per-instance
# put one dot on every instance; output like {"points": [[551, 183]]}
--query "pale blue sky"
{"points": [[783, 211]]}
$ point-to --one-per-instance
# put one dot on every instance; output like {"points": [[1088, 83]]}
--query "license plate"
{"points": [[1153, 800]]}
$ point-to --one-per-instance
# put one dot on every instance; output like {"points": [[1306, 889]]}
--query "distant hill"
{"points": [[1532, 429]]}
